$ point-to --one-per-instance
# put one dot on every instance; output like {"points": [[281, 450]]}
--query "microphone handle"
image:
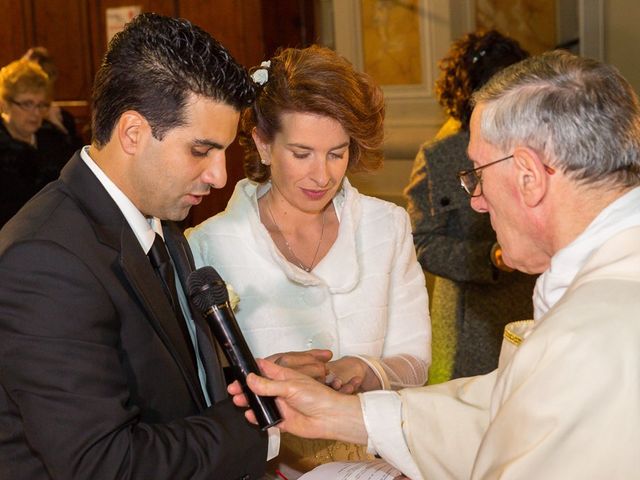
{"points": [[228, 334]]}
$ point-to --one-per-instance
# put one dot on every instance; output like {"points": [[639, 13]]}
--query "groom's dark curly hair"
{"points": [[154, 65]]}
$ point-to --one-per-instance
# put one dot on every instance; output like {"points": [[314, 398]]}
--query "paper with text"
{"points": [[375, 470]]}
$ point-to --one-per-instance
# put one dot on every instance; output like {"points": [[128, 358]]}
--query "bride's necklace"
{"points": [[298, 262]]}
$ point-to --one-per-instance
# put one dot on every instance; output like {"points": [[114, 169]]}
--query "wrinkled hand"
{"points": [[350, 375], [310, 362], [309, 408]]}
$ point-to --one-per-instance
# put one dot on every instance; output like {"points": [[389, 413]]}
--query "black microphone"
{"points": [[209, 294]]}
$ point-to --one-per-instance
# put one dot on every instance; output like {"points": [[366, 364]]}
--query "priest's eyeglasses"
{"points": [[471, 180]]}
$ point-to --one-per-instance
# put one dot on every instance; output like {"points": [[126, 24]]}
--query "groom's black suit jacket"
{"points": [[96, 377]]}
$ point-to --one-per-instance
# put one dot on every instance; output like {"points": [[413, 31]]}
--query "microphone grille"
{"points": [[206, 288]]}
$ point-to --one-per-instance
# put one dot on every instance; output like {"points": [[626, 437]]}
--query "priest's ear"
{"points": [[532, 175]]}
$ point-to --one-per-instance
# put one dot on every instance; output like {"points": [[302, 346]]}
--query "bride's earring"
{"points": [[262, 147], [265, 157]]}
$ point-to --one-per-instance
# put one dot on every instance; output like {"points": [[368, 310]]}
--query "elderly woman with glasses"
{"points": [[474, 293], [31, 151]]}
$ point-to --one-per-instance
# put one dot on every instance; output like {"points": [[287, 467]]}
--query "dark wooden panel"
{"points": [[235, 24], [288, 23], [13, 41], [62, 26]]}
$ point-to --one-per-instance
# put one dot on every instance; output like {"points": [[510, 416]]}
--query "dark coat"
{"points": [[24, 170], [95, 375]]}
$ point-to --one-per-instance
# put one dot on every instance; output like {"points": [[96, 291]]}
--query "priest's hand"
{"points": [[309, 408]]}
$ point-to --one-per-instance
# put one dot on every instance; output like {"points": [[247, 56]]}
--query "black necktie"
{"points": [[161, 262]]}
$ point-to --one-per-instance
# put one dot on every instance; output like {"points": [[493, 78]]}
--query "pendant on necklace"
{"points": [[286, 243]]}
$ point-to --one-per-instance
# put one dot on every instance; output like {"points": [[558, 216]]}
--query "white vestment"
{"points": [[564, 402]]}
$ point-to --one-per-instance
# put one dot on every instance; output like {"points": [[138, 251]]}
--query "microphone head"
{"points": [[206, 288]]}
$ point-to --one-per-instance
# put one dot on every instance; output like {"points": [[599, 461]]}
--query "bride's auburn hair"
{"points": [[319, 81]]}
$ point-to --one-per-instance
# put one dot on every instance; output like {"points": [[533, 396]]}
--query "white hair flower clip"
{"points": [[234, 299], [261, 75]]}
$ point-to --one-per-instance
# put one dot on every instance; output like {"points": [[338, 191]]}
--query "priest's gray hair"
{"points": [[580, 114]]}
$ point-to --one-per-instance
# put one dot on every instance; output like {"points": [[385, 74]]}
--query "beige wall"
{"points": [[387, 183], [613, 36], [622, 37], [413, 114]]}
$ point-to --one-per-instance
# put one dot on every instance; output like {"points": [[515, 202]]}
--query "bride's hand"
{"points": [[312, 363], [350, 375]]}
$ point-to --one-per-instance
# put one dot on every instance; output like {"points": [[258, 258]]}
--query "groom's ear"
{"points": [[131, 131]]}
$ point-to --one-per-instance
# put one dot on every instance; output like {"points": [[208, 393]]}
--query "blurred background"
{"points": [[399, 42]]}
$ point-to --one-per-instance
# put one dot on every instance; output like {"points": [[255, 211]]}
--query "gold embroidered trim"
{"points": [[512, 337]]}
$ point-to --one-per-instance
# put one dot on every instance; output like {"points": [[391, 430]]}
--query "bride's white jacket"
{"points": [[366, 297]]}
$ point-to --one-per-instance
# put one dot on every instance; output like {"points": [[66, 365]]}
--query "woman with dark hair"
{"points": [[320, 269], [474, 293]]}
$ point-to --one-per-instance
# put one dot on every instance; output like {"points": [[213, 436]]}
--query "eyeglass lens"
{"points": [[469, 181], [29, 105]]}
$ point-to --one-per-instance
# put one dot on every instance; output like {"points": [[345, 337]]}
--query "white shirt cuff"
{"points": [[274, 443], [382, 413]]}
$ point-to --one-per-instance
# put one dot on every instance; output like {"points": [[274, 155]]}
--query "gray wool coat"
{"points": [[472, 300]]}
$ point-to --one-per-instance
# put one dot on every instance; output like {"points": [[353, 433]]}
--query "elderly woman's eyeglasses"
{"points": [[29, 106], [471, 180]]}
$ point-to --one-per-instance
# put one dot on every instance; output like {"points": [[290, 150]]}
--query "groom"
{"points": [[105, 371]]}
